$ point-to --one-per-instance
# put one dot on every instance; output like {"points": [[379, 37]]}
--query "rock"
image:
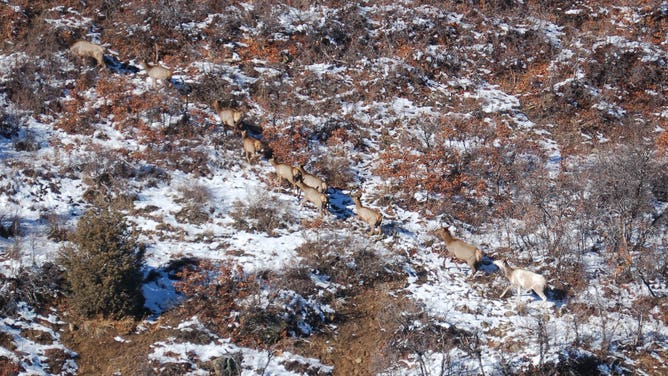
{"points": [[227, 365]]}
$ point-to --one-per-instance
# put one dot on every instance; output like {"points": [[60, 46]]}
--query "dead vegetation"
{"points": [[457, 157]]}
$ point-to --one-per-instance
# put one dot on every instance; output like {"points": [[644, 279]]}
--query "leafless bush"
{"points": [[9, 124], [414, 333], [196, 194], [224, 29], [355, 266], [621, 200], [287, 313], [36, 35], [337, 171], [517, 50], [228, 364], [216, 86], [264, 15], [27, 143], [195, 199], [270, 94], [56, 227], [612, 65], [105, 167], [10, 226], [27, 87], [574, 94], [35, 286], [260, 213], [266, 312]]}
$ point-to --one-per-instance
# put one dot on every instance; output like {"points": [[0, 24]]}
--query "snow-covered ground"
{"points": [[508, 336]]}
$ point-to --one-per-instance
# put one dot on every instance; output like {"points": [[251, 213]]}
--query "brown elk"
{"points": [[312, 180], [285, 172], [368, 215], [316, 197], [252, 146], [461, 250], [230, 117], [157, 72]]}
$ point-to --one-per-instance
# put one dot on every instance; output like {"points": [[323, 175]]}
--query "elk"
{"points": [[157, 72], [312, 180], [522, 279], [228, 116], [368, 215], [251, 146], [86, 49], [316, 197], [461, 250], [285, 171]]}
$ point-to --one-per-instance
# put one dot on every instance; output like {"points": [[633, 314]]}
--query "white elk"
{"points": [[312, 180], [368, 215], [230, 117], [157, 72], [316, 197], [522, 279], [86, 49], [285, 172], [461, 250]]}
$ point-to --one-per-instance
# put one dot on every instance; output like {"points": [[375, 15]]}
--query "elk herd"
{"points": [[314, 189]]}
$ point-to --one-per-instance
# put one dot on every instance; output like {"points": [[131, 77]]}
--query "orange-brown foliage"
{"points": [[288, 146], [212, 292], [662, 143]]}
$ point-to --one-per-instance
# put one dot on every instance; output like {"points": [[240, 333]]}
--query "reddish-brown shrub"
{"points": [[662, 143], [212, 291], [8, 367], [288, 146]]}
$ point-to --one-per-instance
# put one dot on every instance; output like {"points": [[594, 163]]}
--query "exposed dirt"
{"points": [[100, 353], [354, 348]]}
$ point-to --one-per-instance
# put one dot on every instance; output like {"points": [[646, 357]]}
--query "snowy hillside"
{"points": [[533, 130]]}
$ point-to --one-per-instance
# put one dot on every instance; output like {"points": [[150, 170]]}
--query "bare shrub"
{"points": [[261, 213], [622, 202], [75, 122], [10, 124], [27, 143], [56, 226], [8, 366], [354, 266], [224, 28], [612, 65], [216, 86], [265, 316], [573, 95], [107, 177], [415, 334], [337, 171], [517, 50], [27, 87], [228, 364], [196, 200], [10, 227], [36, 286], [269, 94]]}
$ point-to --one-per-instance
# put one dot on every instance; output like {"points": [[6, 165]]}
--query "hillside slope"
{"points": [[535, 130]]}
